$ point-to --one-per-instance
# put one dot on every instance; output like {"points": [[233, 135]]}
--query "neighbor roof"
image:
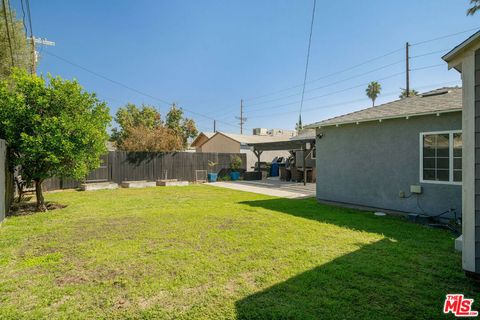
{"points": [[208, 135], [459, 48], [246, 139], [433, 102]]}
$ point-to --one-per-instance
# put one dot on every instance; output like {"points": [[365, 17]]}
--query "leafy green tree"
{"points": [[53, 128], [131, 116], [412, 93], [373, 91], [475, 6], [185, 128], [22, 53]]}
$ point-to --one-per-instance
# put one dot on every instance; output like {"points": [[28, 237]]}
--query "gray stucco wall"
{"points": [[477, 161], [370, 163], [3, 150]]}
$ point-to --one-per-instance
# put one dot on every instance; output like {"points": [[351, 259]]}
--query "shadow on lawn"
{"points": [[403, 276]]}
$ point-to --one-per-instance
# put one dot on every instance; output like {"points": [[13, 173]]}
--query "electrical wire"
{"points": [[308, 57], [23, 17], [329, 75], [330, 84], [352, 101], [13, 26], [8, 32], [131, 88], [443, 37]]}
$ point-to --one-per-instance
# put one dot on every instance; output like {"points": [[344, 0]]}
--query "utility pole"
{"points": [[35, 54], [8, 30], [214, 125], [407, 71], [241, 118]]}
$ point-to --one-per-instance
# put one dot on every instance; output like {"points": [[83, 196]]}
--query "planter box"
{"points": [[171, 183], [98, 186], [138, 184]]}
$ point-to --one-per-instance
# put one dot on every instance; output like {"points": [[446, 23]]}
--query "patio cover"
{"points": [[294, 143]]}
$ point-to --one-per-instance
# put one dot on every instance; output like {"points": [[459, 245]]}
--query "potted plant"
{"points": [[212, 176], [235, 164]]}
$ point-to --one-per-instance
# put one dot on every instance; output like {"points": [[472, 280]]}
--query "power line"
{"points": [[330, 74], [347, 89], [336, 73], [351, 101], [363, 63], [444, 36], [429, 67], [308, 58], [131, 88], [352, 77], [23, 17], [13, 26], [331, 84], [8, 31]]}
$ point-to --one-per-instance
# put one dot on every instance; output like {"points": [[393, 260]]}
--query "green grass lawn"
{"points": [[201, 252]]}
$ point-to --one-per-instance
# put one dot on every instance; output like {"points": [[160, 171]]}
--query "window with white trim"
{"points": [[441, 157]]}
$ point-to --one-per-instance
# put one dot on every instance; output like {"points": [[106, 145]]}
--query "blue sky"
{"points": [[207, 55]]}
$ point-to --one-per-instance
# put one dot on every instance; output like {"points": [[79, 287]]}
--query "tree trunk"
{"points": [[40, 199]]}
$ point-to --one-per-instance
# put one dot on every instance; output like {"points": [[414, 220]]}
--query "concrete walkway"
{"points": [[271, 187]]}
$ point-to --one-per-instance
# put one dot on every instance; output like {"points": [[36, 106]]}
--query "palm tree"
{"points": [[475, 6], [411, 93], [373, 90]]}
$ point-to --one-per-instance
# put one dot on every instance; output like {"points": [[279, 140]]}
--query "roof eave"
{"points": [[459, 49], [322, 125]]}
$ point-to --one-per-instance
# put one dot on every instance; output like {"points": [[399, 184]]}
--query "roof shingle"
{"points": [[436, 101]]}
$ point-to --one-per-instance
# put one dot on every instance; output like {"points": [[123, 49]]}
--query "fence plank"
{"points": [[119, 166]]}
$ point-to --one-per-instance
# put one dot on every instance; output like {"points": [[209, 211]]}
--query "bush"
{"points": [[235, 163]]}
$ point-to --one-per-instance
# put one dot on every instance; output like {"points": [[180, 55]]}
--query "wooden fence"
{"points": [[6, 182], [119, 166]]}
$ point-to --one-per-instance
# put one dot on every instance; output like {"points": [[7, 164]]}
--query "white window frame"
{"points": [[450, 157]]}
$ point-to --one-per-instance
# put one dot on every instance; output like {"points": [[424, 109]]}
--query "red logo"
{"points": [[459, 306]]}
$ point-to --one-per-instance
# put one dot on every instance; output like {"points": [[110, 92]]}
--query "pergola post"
{"points": [[258, 153], [304, 156]]}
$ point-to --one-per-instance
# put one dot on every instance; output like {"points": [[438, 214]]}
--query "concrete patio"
{"points": [[271, 187]]}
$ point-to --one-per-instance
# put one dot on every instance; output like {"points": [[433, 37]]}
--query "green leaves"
{"points": [[373, 91], [54, 128]]}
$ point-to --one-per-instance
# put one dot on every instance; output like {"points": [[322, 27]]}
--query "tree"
{"points": [[475, 6], [22, 51], [373, 90], [52, 128], [130, 116], [159, 139], [411, 93], [185, 128]]}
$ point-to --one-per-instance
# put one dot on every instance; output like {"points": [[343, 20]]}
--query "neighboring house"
{"points": [[222, 142], [378, 157], [465, 58], [200, 140]]}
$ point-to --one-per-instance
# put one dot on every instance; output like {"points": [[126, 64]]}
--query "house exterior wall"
{"points": [[221, 144], [370, 163], [3, 195], [476, 111], [199, 143]]}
